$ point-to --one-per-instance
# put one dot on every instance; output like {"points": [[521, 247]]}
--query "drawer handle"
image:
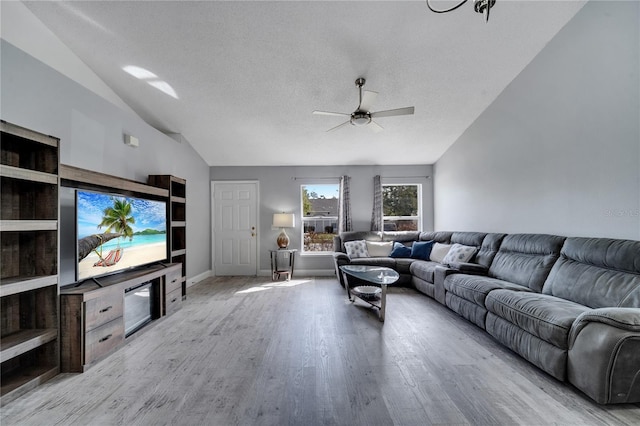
{"points": [[105, 338], [174, 299], [174, 280], [108, 308]]}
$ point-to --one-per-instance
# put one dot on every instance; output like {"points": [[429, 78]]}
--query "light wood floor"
{"points": [[245, 352]]}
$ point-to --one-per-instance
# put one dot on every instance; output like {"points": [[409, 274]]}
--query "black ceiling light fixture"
{"points": [[480, 6]]}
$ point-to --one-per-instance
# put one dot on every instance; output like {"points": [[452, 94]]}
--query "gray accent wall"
{"points": [[280, 192], [559, 150], [91, 132]]}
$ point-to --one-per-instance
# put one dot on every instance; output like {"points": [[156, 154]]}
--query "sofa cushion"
{"points": [[546, 317], [459, 253], [526, 259], [355, 236], [356, 249], [439, 251], [421, 250], [475, 288], [400, 250], [439, 237], [403, 265], [597, 272], [406, 237], [379, 248], [388, 262], [423, 269], [489, 249]]}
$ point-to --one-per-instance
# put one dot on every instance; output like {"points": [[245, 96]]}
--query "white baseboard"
{"points": [[203, 276], [302, 272]]}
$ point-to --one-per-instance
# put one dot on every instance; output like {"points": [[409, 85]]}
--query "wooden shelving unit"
{"points": [[177, 214], [29, 170]]}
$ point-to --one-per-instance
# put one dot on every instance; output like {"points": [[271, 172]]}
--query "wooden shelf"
{"points": [[28, 175], [75, 174], [21, 284], [29, 167], [25, 340], [20, 382], [177, 215], [28, 225]]}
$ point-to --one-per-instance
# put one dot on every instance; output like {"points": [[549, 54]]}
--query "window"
{"points": [[319, 217], [402, 207]]}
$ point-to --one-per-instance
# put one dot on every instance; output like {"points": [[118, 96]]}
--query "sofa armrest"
{"points": [[340, 259], [469, 268], [603, 359]]}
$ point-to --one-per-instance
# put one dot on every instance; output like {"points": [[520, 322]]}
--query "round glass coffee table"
{"points": [[376, 294]]}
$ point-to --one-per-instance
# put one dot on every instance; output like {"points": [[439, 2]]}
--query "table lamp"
{"points": [[283, 220]]}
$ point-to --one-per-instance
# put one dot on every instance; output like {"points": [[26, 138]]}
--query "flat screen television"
{"points": [[117, 232]]}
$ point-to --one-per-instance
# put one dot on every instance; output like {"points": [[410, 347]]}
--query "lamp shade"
{"points": [[283, 220]]}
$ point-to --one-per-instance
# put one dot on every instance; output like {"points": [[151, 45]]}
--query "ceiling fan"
{"points": [[363, 116]]}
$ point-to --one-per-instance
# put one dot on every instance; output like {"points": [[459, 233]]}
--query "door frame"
{"points": [[213, 230]]}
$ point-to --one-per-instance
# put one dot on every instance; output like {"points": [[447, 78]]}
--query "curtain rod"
{"points": [[406, 177], [315, 178], [382, 176]]}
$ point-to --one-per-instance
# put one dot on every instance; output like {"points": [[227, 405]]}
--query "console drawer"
{"points": [[103, 309], [104, 339], [173, 301], [173, 281]]}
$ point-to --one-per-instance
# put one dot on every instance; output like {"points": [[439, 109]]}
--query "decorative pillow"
{"points": [[356, 249], [439, 251], [400, 250], [459, 253], [421, 249], [379, 249]]}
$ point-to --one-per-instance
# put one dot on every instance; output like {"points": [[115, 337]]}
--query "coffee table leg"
{"points": [[346, 286], [383, 301]]}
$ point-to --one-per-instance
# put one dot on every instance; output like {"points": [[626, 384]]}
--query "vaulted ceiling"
{"points": [[239, 79]]}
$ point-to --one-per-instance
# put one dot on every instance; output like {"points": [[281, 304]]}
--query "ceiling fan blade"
{"points": [[392, 112], [339, 125], [331, 113], [375, 127], [368, 99]]}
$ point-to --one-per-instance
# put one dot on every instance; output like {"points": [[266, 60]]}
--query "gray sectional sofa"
{"points": [[570, 306]]}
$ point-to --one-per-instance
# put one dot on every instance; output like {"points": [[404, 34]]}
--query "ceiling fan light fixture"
{"points": [[480, 6], [360, 119]]}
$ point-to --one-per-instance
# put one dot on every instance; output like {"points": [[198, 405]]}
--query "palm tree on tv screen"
{"points": [[118, 218]]}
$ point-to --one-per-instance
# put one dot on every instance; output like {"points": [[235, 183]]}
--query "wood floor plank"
{"points": [[248, 351]]}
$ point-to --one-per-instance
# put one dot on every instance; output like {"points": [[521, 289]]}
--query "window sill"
{"points": [[316, 253]]}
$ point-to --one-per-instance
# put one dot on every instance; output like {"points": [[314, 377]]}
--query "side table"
{"points": [[282, 262]]}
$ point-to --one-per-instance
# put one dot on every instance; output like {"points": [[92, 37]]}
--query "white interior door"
{"points": [[235, 228]]}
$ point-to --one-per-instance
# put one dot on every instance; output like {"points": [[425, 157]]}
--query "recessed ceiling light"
{"points": [[164, 87], [138, 72]]}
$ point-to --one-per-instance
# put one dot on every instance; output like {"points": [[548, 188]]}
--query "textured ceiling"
{"points": [[247, 75]]}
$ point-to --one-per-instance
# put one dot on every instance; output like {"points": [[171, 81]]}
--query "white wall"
{"points": [[91, 130], [21, 28], [280, 192], [559, 150]]}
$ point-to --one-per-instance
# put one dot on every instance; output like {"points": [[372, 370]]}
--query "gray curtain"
{"points": [[376, 214], [344, 206]]}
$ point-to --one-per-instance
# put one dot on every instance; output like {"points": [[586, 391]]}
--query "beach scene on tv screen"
{"points": [[116, 232]]}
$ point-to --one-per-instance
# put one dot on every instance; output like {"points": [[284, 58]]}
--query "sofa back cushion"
{"points": [[526, 259], [405, 237], [338, 242], [442, 237], [489, 249], [468, 238], [597, 272]]}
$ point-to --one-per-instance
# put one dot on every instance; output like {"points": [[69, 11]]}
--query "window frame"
{"points": [[418, 218], [304, 219]]}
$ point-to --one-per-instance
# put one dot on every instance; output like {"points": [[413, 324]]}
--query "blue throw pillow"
{"points": [[400, 250], [421, 249]]}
